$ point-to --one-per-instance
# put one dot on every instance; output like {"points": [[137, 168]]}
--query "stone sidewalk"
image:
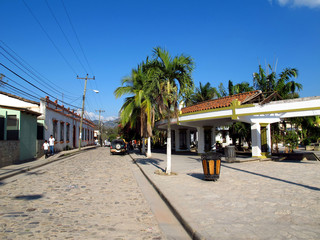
{"points": [[12, 170], [251, 200]]}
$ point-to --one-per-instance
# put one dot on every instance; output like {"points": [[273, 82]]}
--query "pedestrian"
{"points": [[51, 144], [45, 147]]}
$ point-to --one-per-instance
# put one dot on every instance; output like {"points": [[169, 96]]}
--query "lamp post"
{"points": [[83, 101]]}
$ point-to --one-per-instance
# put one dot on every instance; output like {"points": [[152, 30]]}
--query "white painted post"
{"points": [[256, 139], [149, 148], [188, 139], [200, 139], [268, 129], [213, 138]]}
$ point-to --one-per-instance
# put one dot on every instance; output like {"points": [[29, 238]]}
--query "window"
{"points": [[68, 132], [62, 131], [1, 128], [12, 127], [54, 129], [40, 131]]}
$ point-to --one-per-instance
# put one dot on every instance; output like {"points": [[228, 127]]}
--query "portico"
{"points": [[254, 108]]}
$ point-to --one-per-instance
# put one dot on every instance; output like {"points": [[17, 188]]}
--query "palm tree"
{"points": [[173, 80], [284, 85], [204, 93], [138, 107]]}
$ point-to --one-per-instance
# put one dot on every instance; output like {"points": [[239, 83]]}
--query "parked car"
{"points": [[107, 143], [118, 146]]}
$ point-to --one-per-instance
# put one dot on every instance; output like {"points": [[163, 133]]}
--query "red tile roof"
{"points": [[221, 102]]}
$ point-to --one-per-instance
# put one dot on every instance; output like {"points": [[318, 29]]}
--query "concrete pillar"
{"points": [[200, 139], [268, 128], [188, 139], [213, 138], [177, 139], [256, 139]]}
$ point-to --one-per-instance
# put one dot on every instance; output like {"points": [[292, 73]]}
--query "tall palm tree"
{"points": [[138, 107], [204, 93], [172, 77], [283, 84]]}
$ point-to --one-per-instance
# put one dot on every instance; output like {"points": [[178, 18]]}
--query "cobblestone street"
{"points": [[88, 196]]}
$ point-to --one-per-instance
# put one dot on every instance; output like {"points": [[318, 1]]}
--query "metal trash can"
{"points": [[211, 163], [230, 153]]}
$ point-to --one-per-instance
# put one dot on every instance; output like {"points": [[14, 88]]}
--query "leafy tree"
{"points": [[283, 83], [291, 138], [204, 93], [222, 91], [173, 80], [138, 107]]}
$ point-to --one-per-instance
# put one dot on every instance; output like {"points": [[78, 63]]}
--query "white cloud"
{"points": [[297, 3], [94, 116]]}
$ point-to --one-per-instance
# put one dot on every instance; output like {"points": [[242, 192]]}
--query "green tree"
{"points": [[138, 107], [173, 80], [283, 83], [204, 93], [291, 138]]}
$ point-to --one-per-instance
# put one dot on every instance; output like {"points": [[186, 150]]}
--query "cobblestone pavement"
{"points": [[89, 196], [252, 200]]}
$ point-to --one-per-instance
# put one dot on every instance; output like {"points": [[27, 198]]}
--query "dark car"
{"points": [[118, 146]]}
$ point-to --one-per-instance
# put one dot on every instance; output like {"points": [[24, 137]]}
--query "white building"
{"points": [[55, 120]]}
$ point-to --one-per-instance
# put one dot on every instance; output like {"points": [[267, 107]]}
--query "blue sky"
{"points": [[227, 40]]}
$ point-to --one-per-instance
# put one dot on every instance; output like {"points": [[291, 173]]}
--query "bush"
{"points": [[306, 142], [291, 138]]}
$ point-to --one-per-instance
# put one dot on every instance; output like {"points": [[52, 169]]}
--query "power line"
{"points": [[33, 71], [23, 86], [65, 36], [20, 90], [35, 86], [75, 33], [56, 47], [57, 92]]}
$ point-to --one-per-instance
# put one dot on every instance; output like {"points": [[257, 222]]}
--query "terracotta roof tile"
{"points": [[221, 102]]}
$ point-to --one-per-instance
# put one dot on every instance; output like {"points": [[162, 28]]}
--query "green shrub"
{"points": [[291, 139]]}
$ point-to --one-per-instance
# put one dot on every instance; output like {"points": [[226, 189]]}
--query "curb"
{"points": [[194, 234], [27, 169]]}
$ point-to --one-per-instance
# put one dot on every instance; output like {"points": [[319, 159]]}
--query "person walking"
{"points": [[51, 144], [45, 147]]}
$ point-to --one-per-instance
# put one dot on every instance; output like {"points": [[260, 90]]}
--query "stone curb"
{"points": [[193, 233], [57, 157]]}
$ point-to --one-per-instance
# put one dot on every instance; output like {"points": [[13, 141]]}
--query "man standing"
{"points": [[51, 144]]}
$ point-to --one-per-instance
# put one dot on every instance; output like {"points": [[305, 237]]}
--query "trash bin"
{"points": [[230, 153], [211, 163]]}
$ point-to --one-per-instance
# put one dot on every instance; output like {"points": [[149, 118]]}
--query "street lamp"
{"points": [[82, 111]]}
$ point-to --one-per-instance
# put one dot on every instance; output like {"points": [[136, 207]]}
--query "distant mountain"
{"points": [[109, 123]]}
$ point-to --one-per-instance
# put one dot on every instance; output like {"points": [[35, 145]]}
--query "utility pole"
{"points": [[83, 100], [100, 140]]}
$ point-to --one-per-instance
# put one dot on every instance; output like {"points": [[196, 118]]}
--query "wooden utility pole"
{"points": [[83, 100], [100, 140]]}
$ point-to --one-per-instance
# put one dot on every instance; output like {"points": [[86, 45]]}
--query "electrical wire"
{"points": [[23, 86], [33, 71], [75, 33], [27, 73], [56, 47], [35, 86], [21, 90], [65, 36]]}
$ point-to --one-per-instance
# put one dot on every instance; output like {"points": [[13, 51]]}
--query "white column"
{"points": [[200, 139], [213, 138], [268, 130], [256, 139], [188, 139], [149, 148], [177, 139]]}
